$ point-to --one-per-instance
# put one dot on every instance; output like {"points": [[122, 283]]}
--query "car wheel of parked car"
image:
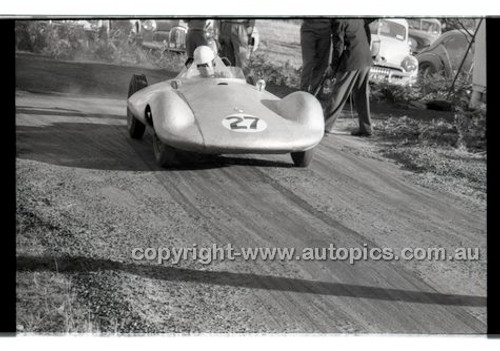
{"points": [[302, 158], [135, 127], [164, 154]]}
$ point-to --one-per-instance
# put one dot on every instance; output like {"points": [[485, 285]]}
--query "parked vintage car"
{"points": [[423, 32], [165, 34], [392, 59], [170, 34], [446, 54]]}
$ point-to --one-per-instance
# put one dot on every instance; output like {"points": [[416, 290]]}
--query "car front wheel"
{"points": [[302, 158], [164, 154], [135, 127]]}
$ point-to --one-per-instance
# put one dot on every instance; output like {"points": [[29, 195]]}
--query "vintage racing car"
{"points": [[222, 114]]}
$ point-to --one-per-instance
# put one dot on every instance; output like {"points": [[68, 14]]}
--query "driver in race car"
{"points": [[204, 59]]}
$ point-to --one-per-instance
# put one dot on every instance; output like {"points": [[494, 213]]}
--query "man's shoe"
{"points": [[361, 134]]}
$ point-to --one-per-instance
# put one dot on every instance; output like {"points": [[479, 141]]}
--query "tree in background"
{"points": [[467, 24]]}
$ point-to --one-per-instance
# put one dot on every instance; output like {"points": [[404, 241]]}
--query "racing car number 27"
{"points": [[244, 123]]}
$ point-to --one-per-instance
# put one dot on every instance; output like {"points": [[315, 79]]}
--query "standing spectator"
{"points": [[351, 61], [234, 37], [195, 36], [367, 29], [315, 41]]}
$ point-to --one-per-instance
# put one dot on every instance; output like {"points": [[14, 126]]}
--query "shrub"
{"points": [[286, 75], [69, 41], [394, 93], [471, 128], [468, 130]]}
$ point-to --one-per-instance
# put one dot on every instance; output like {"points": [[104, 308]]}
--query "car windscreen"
{"points": [[431, 27], [388, 29], [220, 70], [414, 23]]}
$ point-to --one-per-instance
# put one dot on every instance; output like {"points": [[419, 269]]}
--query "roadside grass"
{"points": [[440, 155], [57, 292], [447, 154], [280, 42], [278, 59], [46, 301], [47, 304], [447, 169]]}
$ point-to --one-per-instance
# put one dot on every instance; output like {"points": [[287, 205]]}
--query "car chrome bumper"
{"points": [[391, 76]]}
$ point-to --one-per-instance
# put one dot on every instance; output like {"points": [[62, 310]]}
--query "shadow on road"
{"points": [[109, 147], [63, 112], [244, 280]]}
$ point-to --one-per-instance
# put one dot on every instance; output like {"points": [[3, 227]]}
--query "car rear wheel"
{"points": [[164, 154], [135, 127], [302, 158]]}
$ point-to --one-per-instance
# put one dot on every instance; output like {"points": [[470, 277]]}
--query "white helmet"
{"points": [[203, 54]]}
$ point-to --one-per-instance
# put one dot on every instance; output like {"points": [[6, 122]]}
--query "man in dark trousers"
{"points": [[234, 36], [315, 41], [350, 66], [195, 35]]}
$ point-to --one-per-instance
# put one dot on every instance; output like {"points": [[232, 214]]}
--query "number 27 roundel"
{"points": [[244, 123]]}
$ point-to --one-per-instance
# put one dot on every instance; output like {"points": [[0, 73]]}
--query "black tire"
{"points": [[135, 127], [302, 158], [164, 154]]}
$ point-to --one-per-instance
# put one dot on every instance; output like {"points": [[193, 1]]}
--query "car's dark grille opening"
{"points": [[222, 83]]}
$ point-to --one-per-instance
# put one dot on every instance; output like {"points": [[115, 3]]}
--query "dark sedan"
{"points": [[446, 54], [422, 33]]}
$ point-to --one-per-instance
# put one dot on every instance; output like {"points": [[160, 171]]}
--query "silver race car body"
{"points": [[223, 114]]}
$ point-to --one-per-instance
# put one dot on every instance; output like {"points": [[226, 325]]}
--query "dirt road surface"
{"points": [[88, 195]]}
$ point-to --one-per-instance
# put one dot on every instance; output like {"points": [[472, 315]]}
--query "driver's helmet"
{"points": [[203, 58], [203, 55]]}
